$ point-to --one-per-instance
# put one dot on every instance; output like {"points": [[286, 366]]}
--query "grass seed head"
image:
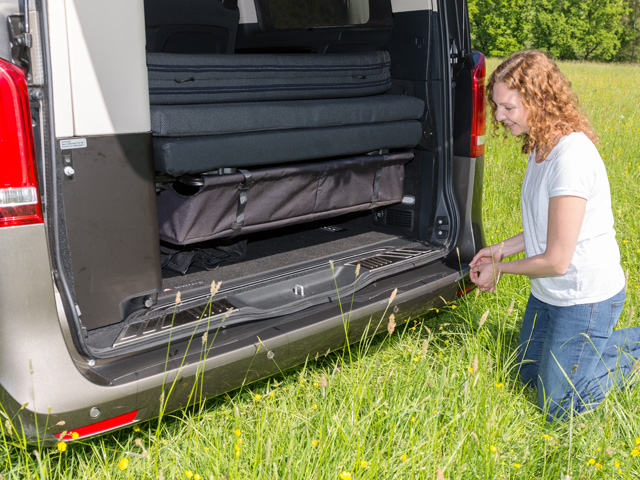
{"points": [[391, 326], [483, 318], [393, 295]]}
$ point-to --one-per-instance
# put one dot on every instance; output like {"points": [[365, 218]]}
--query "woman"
{"points": [[567, 345]]}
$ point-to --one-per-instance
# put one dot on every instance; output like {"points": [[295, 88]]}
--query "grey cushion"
{"points": [[190, 155], [225, 118]]}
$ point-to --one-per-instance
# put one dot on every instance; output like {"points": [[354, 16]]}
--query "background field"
{"points": [[437, 399]]}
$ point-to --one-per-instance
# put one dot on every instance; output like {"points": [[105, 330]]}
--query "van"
{"points": [[198, 194]]}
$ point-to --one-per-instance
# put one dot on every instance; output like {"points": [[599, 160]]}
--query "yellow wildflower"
{"points": [[635, 452], [592, 461], [62, 447], [517, 465], [493, 449], [637, 440], [197, 477], [499, 385], [546, 437], [123, 464], [364, 464], [616, 463], [257, 397], [314, 443], [599, 466], [316, 385], [404, 457], [188, 473], [75, 435], [345, 475], [315, 406], [237, 432]]}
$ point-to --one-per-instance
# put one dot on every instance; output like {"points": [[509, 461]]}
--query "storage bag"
{"points": [[261, 199]]}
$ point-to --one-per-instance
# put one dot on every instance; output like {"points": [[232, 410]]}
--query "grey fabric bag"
{"points": [[245, 202]]}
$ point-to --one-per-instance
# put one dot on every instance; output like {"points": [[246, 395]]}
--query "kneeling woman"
{"points": [[567, 347]]}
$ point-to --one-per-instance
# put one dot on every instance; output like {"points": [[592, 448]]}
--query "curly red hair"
{"points": [[552, 107]]}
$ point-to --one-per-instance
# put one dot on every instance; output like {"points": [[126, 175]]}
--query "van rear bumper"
{"points": [[44, 381]]}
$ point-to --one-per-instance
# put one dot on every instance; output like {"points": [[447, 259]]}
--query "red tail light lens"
{"points": [[478, 125], [19, 198]]}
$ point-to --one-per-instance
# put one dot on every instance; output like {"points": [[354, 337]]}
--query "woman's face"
{"points": [[509, 109]]}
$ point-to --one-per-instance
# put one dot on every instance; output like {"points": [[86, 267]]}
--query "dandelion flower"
{"points": [[591, 461], [470, 369], [197, 477], [62, 447], [257, 397], [637, 440], [316, 385], [315, 406], [616, 463], [314, 443], [345, 475], [188, 473], [517, 465], [493, 449], [123, 464], [364, 464], [635, 452], [237, 432]]}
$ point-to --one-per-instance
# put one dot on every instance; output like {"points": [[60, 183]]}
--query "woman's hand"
{"points": [[490, 254], [486, 276]]}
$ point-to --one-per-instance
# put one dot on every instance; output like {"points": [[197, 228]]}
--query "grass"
{"points": [[438, 398]]}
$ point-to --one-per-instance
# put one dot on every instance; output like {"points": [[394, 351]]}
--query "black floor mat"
{"points": [[272, 250]]}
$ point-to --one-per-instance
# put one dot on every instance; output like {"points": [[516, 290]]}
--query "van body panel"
{"points": [[107, 65]]}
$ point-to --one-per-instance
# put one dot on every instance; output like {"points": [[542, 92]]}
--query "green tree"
{"points": [[567, 29], [497, 26], [629, 50]]}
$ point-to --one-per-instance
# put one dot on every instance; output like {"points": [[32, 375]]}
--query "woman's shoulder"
{"points": [[575, 146]]}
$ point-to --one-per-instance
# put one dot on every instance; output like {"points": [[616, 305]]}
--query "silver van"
{"points": [[197, 194]]}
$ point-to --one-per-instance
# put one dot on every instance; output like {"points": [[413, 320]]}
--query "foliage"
{"points": [[567, 29]]}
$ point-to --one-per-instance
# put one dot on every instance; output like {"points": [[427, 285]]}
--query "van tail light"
{"points": [[99, 427], [478, 119], [19, 197]]}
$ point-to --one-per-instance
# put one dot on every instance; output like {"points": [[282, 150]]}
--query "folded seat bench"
{"points": [[275, 113]]}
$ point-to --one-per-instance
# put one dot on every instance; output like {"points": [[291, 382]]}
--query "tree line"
{"points": [[599, 30]]}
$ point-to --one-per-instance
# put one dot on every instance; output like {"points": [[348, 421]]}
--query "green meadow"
{"points": [[437, 398]]}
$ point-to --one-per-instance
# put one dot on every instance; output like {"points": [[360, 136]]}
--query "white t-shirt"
{"points": [[574, 167]]}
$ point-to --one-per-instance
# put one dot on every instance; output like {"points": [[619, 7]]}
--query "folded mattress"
{"points": [[259, 199], [216, 78]]}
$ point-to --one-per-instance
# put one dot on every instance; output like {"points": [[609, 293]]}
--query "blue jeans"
{"points": [[573, 356]]}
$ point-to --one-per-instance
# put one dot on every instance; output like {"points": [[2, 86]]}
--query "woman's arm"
{"points": [[495, 253], [566, 214]]}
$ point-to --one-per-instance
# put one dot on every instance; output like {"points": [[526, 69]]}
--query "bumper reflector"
{"points": [[99, 427]]}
